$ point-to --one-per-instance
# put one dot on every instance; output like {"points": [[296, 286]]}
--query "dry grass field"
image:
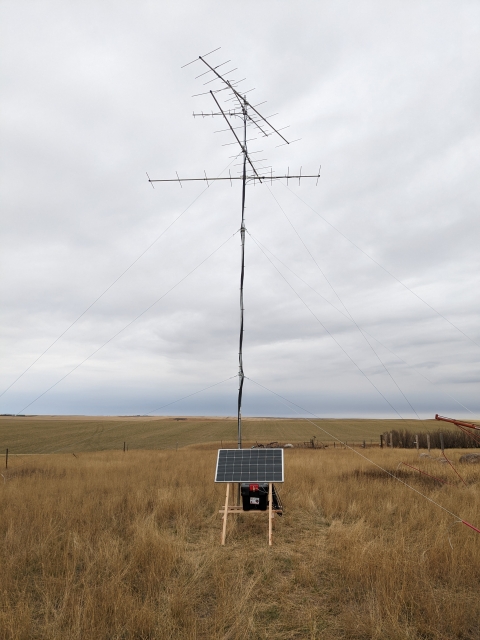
{"points": [[110, 545], [50, 434]]}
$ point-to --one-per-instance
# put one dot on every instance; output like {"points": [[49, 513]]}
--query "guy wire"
{"points": [[192, 394], [111, 285], [345, 307], [129, 324], [360, 454], [73, 442], [330, 334], [382, 267], [411, 366]]}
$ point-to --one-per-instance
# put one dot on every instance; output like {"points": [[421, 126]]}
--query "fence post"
{"points": [[364, 446], [6, 459], [442, 446], [428, 442], [391, 439], [124, 447], [417, 443], [381, 441]]}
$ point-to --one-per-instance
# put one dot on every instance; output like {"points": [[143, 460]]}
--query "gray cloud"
{"points": [[384, 95]]}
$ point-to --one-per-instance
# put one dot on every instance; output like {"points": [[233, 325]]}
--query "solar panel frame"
{"points": [[249, 465]]}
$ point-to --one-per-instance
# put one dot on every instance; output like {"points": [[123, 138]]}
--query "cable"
{"points": [[129, 324], [362, 455], [411, 366], [111, 285], [383, 268], [345, 307], [425, 473]]}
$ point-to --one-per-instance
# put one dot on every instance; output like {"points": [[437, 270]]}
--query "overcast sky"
{"points": [[384, 95]]}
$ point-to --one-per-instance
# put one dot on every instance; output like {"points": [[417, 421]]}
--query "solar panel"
{"points": [[249, 465]]}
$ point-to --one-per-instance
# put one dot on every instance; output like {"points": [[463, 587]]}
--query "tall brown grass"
{"points": [[126, 546]]}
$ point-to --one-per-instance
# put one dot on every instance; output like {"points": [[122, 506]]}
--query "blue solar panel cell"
{"points": [[249, 465]]}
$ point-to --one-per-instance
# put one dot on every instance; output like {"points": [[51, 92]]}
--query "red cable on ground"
{"points": [[443, 454], [471, 526], [427, 474]]}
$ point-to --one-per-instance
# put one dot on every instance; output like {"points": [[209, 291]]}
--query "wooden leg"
{"points": [[224, 530], [270, 514]]}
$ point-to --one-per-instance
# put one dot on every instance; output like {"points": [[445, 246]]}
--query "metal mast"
{"points": [[249, 116], [241, 375]]}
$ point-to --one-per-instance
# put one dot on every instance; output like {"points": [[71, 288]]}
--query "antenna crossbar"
{"points": [[204, 56], [215, 79], [205, 72], [212, 113], [249, 178]]}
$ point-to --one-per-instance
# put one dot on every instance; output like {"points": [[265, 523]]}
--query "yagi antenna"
{"points": [[250, 172]]}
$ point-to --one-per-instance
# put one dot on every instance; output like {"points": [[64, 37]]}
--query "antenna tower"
{"points": [[251, 171]]}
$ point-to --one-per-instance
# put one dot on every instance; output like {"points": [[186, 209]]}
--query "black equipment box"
{"points": [[254, 496]]}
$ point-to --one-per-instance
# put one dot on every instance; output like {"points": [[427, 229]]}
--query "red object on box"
{"points": [[254, 487]]}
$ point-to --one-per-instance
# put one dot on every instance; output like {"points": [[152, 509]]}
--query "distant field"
{"points": [[106, 545], [50, 434]]}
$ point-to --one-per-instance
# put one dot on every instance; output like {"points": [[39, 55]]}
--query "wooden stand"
{"points": [[239, 509]]}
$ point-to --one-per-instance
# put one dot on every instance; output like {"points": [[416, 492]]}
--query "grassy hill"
{"points": [[49, 434]]}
